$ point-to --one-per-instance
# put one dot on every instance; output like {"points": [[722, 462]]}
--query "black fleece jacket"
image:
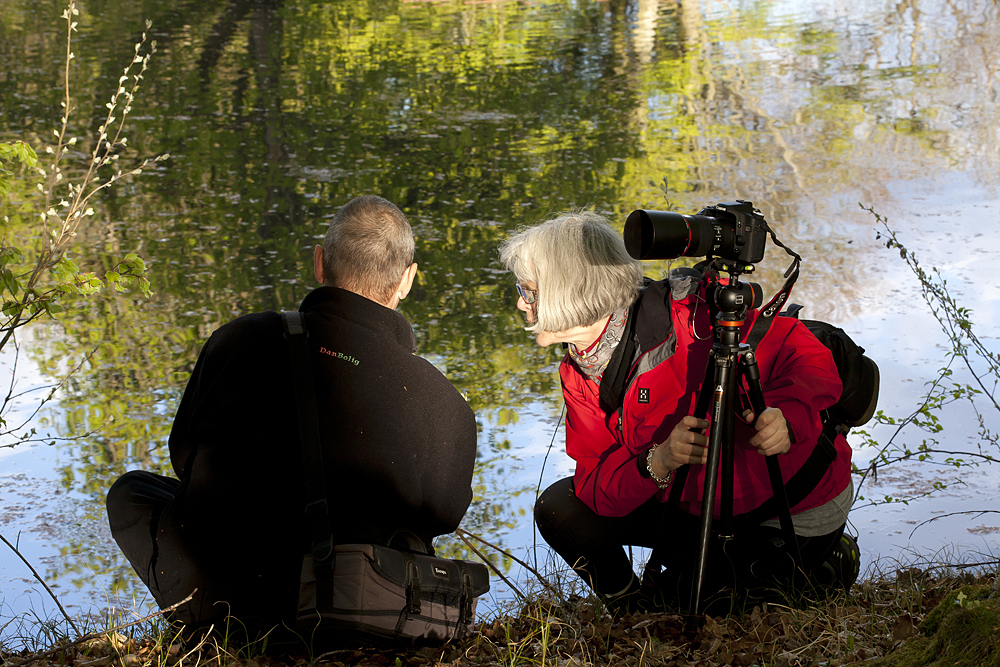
{"points": [[399, 444]]}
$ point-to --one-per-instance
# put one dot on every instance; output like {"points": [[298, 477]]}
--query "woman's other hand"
{"points": [[772, 432]]}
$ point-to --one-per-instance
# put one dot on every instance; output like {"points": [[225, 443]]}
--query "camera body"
{"points": [[734, 231]]}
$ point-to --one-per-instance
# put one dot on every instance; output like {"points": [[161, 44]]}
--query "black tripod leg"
{"points": [[700, 411], [751, 372], [724, 368], [728, 455]]}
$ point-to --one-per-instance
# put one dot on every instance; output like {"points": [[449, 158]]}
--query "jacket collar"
{"points": [[649, 325], [334, 302], [653, 322]]}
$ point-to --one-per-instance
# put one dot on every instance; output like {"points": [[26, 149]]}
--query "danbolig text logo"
{"points": [[339, 355]]}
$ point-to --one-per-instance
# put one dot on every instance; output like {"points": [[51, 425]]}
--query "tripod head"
{"points": [[731, 301]]}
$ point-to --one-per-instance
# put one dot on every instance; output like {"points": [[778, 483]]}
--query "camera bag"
{"points": [[396, 592], [381, 593]]}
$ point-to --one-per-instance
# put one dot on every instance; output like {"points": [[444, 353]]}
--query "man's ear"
{"points": [[406, 281], [318, 264]]}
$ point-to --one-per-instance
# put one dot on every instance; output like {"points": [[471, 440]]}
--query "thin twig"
{"points": [[899, 428], [520, 562], [95, 635], [538, 489], [53, 388], [13, 374], [962, 566], [42, 582], [491, 566], [944, 516]]}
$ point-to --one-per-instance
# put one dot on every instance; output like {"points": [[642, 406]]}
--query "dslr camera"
{"points": [[733, 231]]}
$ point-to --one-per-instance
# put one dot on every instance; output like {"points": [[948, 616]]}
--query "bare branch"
{"points": [[464, 533], [978, 513], [96, 635], [491, 566], [42, 582]]}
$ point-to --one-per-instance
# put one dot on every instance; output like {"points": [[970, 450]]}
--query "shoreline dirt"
{"points": [[913, 618]]}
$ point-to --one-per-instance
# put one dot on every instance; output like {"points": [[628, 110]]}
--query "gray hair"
{"points": [[367, 247], [580, 266]]}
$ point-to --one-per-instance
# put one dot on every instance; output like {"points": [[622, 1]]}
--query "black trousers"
{"points": [[757, 564], [147, 536]]}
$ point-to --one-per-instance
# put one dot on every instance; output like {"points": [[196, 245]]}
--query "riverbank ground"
{"points": [[900, 619]]}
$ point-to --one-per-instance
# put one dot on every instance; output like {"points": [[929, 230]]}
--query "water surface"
{"points": [[477, 118]]}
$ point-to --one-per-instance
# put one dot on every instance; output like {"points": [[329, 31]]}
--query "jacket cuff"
{"points": [[640, 462]]}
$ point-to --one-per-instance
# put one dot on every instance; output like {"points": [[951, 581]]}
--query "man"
{"points": [[398, 440]]}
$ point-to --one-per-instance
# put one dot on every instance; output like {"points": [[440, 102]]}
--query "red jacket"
{"points": [[798, 376]]}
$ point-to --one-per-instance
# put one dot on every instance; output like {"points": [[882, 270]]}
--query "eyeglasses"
{"points": [[529, 295]]}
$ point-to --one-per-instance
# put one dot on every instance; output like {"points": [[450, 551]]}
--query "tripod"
{"points": [[730, 361]]}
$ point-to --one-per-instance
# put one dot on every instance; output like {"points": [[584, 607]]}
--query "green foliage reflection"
{"points": [[475, 118]]}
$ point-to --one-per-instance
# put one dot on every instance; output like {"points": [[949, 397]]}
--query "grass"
{"points": [[897, 618]]}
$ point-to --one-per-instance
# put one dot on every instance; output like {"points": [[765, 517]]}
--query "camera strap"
{"points": [[766, 315]]}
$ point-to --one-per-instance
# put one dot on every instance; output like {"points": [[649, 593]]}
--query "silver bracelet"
{"points": [[661, 482]]}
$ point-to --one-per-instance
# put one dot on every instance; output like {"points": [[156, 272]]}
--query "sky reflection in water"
{"points": [[476, 118]]}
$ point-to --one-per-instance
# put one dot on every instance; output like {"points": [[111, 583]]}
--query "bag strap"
{"points": [[406, 540], [612, 390], [801, 483], [316, 510], [465, 600]]}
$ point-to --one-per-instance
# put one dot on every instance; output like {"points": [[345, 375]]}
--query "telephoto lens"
{"points": [[733, 231], [666, 235]]}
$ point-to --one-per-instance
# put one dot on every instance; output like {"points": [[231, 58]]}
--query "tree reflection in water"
{"points": [[474, 118]]}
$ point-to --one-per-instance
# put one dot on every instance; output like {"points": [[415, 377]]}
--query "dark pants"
{"points": [[756, 565], [152, 543]]}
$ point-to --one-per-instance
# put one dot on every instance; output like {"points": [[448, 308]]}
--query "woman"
{"points": [[578, 286]]}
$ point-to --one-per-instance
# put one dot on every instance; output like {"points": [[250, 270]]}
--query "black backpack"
{"points": [[856, 405], [858, 373]]}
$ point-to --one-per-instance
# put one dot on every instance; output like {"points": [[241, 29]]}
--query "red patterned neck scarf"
{"points": [[595, 358]]}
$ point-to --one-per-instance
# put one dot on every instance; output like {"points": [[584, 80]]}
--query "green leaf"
{"points": [[10, 283], [11, 255], [65, 270], [27, 154], [88, 283]]}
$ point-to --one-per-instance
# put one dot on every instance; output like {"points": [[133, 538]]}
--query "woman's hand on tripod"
{"points": [[684, 445], [772, 432]]}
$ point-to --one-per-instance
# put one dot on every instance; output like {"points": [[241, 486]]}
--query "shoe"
{"points": [[624, 602], [843, 563]]}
